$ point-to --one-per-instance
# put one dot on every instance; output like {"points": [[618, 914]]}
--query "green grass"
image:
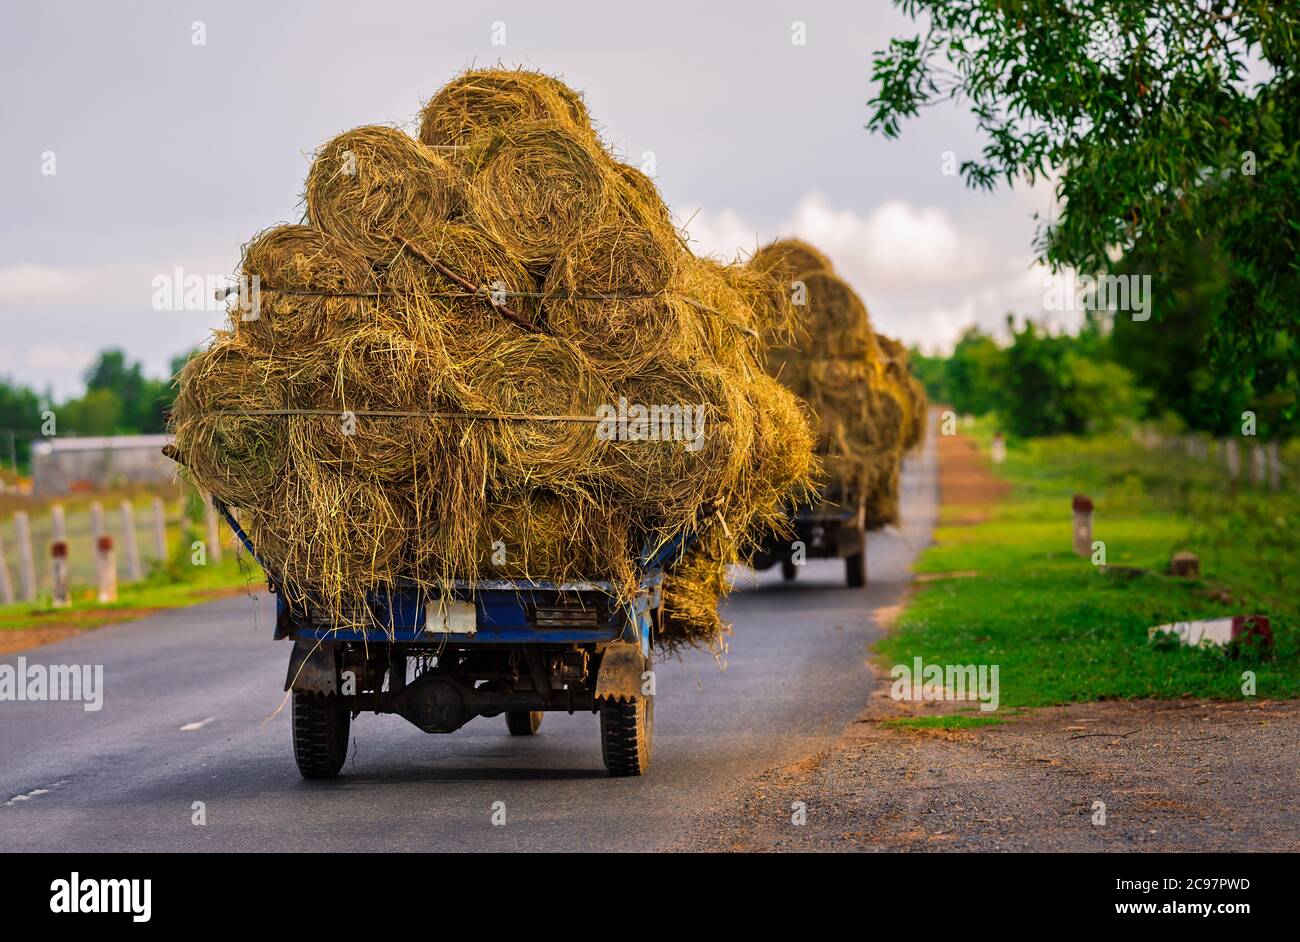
{"points": [[1062, 630], [156, 593]]}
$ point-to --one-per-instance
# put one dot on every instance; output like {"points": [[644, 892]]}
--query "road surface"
{"points": [[190, 716]]}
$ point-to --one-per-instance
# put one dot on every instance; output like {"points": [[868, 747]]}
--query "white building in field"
{"points": [[63, 465]]}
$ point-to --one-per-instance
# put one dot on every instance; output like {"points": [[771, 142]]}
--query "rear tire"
{"points": [[626, 735], [523, 722], [855, 570], [321, 724], [789, 571]]}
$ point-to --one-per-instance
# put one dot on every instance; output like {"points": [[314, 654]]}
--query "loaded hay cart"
{"points": [[831, 527], [503, 646]]}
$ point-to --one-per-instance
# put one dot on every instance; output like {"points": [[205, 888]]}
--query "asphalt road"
{"points": [[190, 715]]}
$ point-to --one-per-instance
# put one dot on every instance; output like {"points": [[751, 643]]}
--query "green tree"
{"points": [[973, 373], [1146, 110], [98, 412]]}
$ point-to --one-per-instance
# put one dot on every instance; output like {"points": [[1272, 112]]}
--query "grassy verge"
{"points": [[1060, 628], [157, 593]]}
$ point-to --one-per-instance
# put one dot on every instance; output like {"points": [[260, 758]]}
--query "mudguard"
{"points": [[312, 668], [621, 668]]}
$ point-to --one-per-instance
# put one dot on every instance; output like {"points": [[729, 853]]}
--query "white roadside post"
{"points": [[106, 560], [159, 530], [1257, 461], [1232, 458], [1082, 507], [999, 450], [26, 559], [130, 546], [61, 589], [1274, 466], [214, 532], [6, 585]]}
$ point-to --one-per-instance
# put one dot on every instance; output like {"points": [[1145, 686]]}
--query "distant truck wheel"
{"points": [[320, 734], [523, 722], [855, 570], [626, 732], [789, 571]]}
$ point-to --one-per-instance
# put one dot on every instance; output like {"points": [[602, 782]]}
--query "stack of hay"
{"points": [[416, 399], [869, 408]]}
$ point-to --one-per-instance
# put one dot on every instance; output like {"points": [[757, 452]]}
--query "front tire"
{"points": [[523, 722], [789, 571], [321, 724], [626, 735]]}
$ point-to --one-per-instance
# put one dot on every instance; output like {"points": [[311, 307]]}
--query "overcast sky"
{"points": [[167, 153]]}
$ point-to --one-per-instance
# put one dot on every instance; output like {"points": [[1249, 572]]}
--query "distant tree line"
{"points": [[119, 399], [1117, 369]]}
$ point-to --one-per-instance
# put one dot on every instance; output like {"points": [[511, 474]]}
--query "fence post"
{"points": [[1274, 466], [96, 519], [6, 585], [106, 562], [27, 562], [159, 530], [1232, 458], [61, 590], [214, 532], [1082, 507], [1256, 463], [130, 546]]}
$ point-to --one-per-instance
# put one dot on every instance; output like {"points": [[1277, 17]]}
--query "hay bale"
{"points": [[235, 458], [535, 188], [485, 100], [606, 292], [672, 467], [547, 379], [788, 259], [538, 535], [310, 284], [439, 351], [439, 310], [374, 183]]}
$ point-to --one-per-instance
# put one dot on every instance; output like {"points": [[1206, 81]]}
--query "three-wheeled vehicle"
{"points": [[503, 646], [831, 527]]}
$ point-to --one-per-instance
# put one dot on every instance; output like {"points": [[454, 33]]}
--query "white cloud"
{"points": [[50, 357], [924, 278], [29, 283]]}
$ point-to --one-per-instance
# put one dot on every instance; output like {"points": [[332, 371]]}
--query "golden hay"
{"points": [[441, 347], [374, 183], [438, 309], [606, 292], [539, 535], [788, 259], [235, 458], [484, 100], [536, 187], [692, 456], [290, 263], [536, 375]]}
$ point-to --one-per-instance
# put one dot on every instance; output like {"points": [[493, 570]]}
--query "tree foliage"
{"points": [[1162, 134]]}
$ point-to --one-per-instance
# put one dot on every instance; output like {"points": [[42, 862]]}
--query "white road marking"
{"points": [[35, 792], [198, 724]]}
